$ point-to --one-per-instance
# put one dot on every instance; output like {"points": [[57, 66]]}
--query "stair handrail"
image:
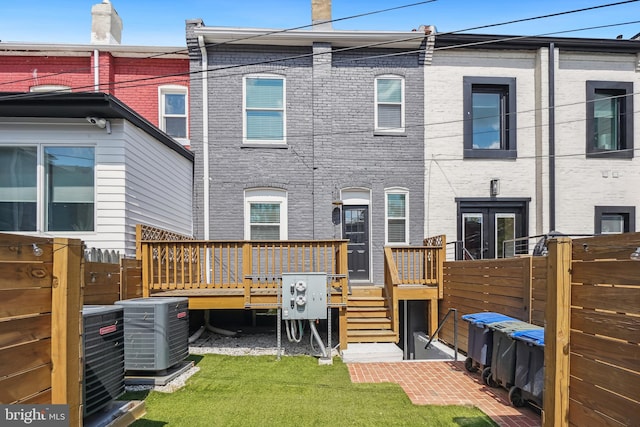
{"points": [[455, 331]]}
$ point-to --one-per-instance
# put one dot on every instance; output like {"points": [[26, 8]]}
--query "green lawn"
{"points": [[295, 391]]}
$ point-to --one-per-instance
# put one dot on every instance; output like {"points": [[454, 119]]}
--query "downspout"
{"points": [[96, 70], [552, 138], [205, 134]]}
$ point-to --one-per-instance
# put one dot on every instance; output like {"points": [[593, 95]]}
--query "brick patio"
{"points": [[446, 383]]}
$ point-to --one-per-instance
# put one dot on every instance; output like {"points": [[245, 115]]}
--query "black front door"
{"points": [[489, 230], [355, 227]]}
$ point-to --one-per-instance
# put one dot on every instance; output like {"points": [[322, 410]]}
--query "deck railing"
{"points": [[199, 264], [416, 266]]}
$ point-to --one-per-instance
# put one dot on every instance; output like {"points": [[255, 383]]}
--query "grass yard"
{"points": [[295, 391]]}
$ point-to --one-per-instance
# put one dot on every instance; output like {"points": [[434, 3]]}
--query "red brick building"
{"points": [[153, 81]]}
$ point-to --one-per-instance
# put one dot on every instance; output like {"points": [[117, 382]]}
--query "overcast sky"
{"points": [[162, 22]]}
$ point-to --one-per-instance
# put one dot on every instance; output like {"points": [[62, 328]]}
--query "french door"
{"points": [[489, 230]]}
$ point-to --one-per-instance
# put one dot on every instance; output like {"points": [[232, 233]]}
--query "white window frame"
{"points": [[388, 192], [50, 88], [266, 195], [401, 129], [283, 141], [173, 90], [42, 225]]}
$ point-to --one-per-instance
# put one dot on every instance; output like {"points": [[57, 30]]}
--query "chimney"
{"points": [[321, 14], [106, 25]]}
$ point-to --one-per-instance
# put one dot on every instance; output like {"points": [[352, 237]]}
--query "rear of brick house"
{"points": [[309, 134]]}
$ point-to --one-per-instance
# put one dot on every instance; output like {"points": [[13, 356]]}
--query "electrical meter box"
{"points": [[304, 296]]}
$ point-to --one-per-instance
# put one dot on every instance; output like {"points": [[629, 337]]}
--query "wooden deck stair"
{"points": [[368, 316]]}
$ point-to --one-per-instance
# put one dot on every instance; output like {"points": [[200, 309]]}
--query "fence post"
{"points": [[557, 328], [527, 277], [442, 256], [146, 269], [247, 271], [66, 310]]}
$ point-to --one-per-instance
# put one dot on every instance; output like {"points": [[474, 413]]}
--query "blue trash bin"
{"points": [[529, 374], [503, 360], [480, 340]]}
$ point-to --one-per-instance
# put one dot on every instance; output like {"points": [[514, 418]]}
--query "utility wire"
{"points": [[362, 46], [268, 33]]}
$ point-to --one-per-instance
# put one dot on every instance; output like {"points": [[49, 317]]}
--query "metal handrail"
{"points": [[455, 332]]}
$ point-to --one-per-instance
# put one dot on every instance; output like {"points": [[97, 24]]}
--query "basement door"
{"points": [[355, 227], [487, 231]]}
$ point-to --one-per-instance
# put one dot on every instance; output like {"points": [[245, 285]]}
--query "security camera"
{"points": [[101, 123]]}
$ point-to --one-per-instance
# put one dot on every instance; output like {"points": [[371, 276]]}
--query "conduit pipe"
{"points": [[96, 70], [193, 338], [216, 330], [205, 133]]}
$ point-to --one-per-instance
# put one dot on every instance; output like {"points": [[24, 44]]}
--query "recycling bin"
{"points": [[480, 338], [503, 359], [529, 373]]}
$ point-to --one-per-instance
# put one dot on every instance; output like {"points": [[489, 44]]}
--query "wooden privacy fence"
{"points": [[107, 282], [40, 318], [502, 285], [592, 335]]}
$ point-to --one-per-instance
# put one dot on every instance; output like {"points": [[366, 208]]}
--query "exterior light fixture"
{"points": [[494, 187], [635, 256], [37, 250]]}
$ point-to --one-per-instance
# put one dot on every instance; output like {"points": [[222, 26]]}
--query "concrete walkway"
{"points": [[446, 383]]}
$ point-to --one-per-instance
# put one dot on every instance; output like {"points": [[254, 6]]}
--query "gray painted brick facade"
{"points": [[331, 143]]}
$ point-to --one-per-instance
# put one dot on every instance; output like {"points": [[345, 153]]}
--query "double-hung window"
{"points": [[389, 99], [397, 216], [265, 214], [59, 198], [489, 117], [609, 119], [173, 111], [264, 109]]}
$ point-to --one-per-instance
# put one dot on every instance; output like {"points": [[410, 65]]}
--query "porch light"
{"points": [[635, 256], [494, 187], [37, 251]]}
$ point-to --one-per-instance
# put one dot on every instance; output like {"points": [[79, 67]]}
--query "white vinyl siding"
{"points": [[264, 109], [132, 185]]}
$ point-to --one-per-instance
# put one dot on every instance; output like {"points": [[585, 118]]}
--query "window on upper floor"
{"points": [[615, 219], [265, 214], [264, 110], [389, 100], [61, 198], [397, 216], [173, 111], [609, 119], [489, 117], [50, 88]]}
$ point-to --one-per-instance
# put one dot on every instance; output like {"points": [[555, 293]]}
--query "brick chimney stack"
{"points": [[321, 14], [106, 24]]}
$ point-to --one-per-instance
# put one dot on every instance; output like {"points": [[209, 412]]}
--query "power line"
{"points": [[268, 33], [365, 46]]}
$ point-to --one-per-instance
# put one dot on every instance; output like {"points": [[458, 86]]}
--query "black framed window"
{"points": [[609, 119], [489, 117], [615, 219]]}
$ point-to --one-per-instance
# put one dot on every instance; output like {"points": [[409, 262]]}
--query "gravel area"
{"points": [[259, 341]]}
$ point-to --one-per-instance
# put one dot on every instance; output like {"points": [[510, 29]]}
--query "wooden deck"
{"points": [[248, 274]]}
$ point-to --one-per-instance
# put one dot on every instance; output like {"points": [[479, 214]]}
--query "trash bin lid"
{"points": [[510, 326], [533, 336], [485, 318]]}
